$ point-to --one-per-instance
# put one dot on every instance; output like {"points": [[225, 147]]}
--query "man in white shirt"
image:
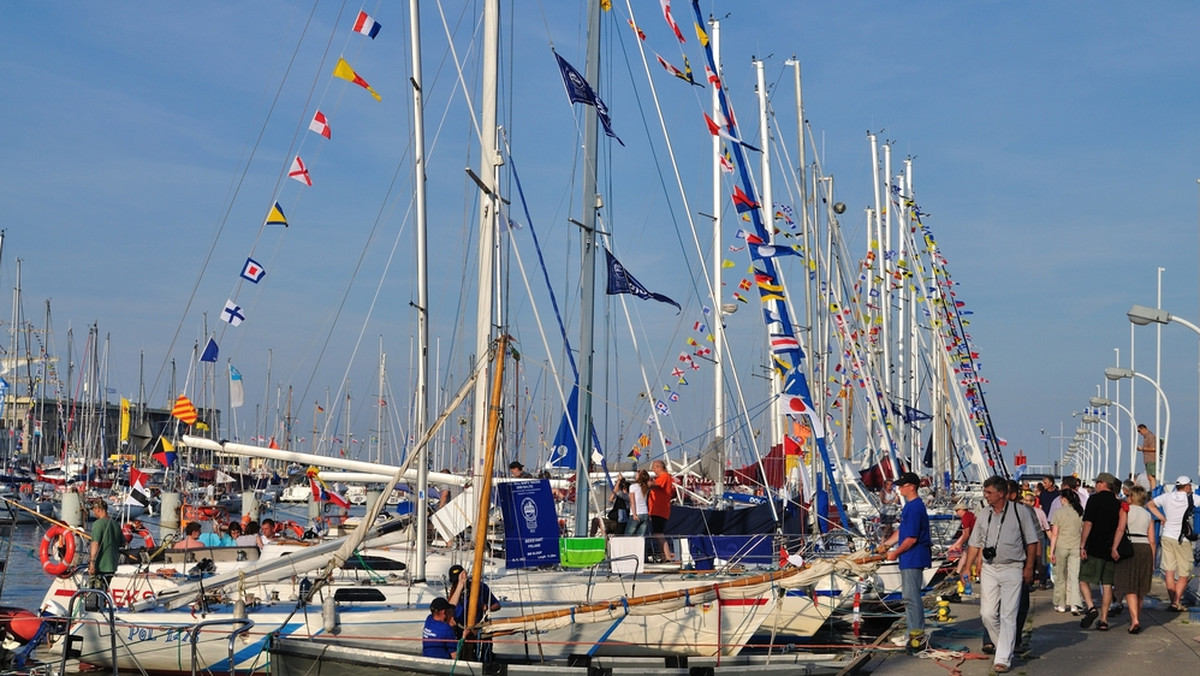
{"points": [[1177, 554]]}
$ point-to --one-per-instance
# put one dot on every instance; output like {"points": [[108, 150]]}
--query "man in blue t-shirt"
{"points": [[914, 549], [438, 638]]}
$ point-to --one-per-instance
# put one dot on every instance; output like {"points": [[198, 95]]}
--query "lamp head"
{"points": [[1117, 373], [1090, 419], [1099, 402], [1142, 315]]}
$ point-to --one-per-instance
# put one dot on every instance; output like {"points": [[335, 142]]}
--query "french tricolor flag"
{"points": [[366, 25]]}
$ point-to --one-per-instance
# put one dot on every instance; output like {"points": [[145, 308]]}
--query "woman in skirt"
{"points": [[1132, 575]]}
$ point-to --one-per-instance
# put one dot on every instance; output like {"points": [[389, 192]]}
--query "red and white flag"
{"points": [[366, 25], [666, 8], [794, 405], [320, 125], [300, 172]]}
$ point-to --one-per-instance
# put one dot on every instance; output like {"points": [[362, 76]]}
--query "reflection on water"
{"points": [[25, 583]]}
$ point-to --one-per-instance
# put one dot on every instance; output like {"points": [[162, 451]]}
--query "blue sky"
{"points": [[1054, 147]]}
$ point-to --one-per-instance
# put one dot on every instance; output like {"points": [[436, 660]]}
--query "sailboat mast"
{"points": [[421, 417], [716, 319], [768, 211], [489, 159], [587, 307]]}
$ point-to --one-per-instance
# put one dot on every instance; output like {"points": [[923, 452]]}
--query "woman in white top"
{"points": [[639, 510], [1132, 575]]}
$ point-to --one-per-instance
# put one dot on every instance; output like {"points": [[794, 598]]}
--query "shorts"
{"points": [[1150, 467], [1177, 556], [658, 524], [1096, 571]]}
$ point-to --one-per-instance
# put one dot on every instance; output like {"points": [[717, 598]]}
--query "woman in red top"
{"points": [[662, 489]]}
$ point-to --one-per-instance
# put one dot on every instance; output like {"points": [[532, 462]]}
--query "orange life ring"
{"points": [[129, 531], [60, 567], [203, 512], [295, 527]]}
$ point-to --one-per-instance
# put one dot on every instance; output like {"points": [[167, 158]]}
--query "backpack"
{"points": [[1187, 529]]}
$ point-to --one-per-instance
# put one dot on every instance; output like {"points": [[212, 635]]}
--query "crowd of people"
{"points": [[1098, 545]]}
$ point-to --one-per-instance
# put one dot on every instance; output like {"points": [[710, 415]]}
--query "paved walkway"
{"points": [[1167, 643]]}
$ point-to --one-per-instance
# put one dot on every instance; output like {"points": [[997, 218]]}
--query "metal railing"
{"points": [[243, 626], [69, 641]]}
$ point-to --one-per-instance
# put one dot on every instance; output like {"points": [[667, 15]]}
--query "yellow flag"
{"points": [[606, 5], [167, 446], [727, 264], [344, 71], [124, 419]]}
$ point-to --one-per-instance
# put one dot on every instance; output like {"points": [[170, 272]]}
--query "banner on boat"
{"points": [[530, 524]]}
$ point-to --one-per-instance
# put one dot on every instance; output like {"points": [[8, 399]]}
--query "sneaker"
{"points": [[1060, 609], [1115, 609], [1076, 611]]}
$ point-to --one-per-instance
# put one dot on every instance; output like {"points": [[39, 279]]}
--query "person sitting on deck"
{"points": [[438, 638], [191, 537]]}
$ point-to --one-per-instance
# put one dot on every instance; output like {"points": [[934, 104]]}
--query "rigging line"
{"points": [[229, 208], [293, 150], [458, 65], [714, 295], [380, 218], [713, 290]]}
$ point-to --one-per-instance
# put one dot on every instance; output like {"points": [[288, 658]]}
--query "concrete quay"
{"points": [[1167, 644]]}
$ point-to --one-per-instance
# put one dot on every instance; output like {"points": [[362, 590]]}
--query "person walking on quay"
{"points": [[1022, 503], [1096, 565], [1149, 448], [1133, 574], [914, 550], [1007, 539], [1066, 527], [1175, 510]]}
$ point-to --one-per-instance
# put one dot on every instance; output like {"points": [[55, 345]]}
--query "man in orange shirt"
{"points": [[662, 489]]}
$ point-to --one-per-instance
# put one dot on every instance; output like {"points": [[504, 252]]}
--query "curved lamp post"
{"points": [[1103, 402], [1096, 452], [1118, 373], [1142, 315], [1086, 455], [1095, 419]]}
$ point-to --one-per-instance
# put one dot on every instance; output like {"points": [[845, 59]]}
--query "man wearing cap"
{"points": [[1007, 540], [967, 517], [1096, 565], [517, 471], [914, 550], [1174, 509], [437, 638]]}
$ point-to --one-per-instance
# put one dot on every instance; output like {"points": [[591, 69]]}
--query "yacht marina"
{"points": [[614, 376]]}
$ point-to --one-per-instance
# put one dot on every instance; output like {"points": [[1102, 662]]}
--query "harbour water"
{"points": [[26, 583]]}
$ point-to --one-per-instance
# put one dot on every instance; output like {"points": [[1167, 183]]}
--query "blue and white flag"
{"points": [[237, 394], [620, 281], [233, 313], [210, 351], [253, 271], [579, 91]]}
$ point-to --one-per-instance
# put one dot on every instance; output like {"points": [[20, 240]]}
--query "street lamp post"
{"points": [[1142, 315], [1096, 420], [1160, 455], [1103, 402]]}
